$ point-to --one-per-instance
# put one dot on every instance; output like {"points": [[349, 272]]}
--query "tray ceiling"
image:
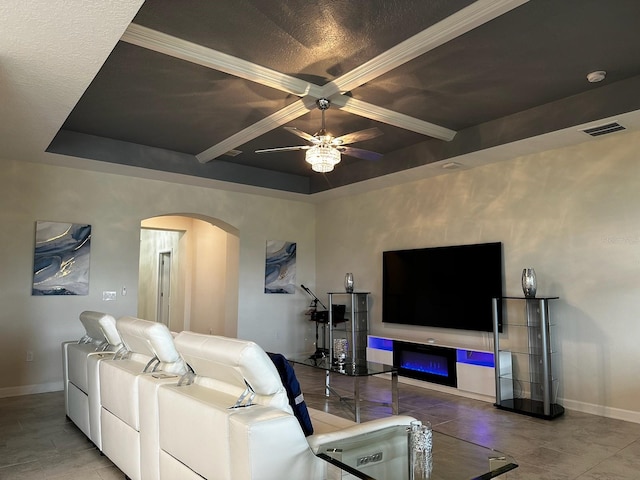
{"points": [[195, 87]]}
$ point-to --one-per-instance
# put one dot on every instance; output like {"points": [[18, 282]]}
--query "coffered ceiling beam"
{"points": [[459, 23], [379, 114], [191, 52], [446, 30], [275, 120]]}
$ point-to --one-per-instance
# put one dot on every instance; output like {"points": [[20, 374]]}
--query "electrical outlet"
{"points": [[108, 296], [29, 356]]}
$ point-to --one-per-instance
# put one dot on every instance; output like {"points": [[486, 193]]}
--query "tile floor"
{"points": [[576, 446], [38, 442]]}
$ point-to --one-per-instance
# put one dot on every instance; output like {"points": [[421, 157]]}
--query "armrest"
{"points": [[322, 438]]}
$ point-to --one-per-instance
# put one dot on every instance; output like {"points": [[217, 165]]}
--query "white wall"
{"points": [[210, 280], [115, 205], [571, 213]]}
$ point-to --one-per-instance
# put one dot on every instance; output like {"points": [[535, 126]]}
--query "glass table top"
{"points": [[383, 455], [358, 369]]}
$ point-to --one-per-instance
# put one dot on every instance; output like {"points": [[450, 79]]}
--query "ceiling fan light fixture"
{"points": [[322, 158]]}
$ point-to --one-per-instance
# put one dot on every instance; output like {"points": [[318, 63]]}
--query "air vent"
{"points": [[604, 129]]}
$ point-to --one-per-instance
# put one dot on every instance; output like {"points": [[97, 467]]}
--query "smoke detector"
{"points": [[597, 76]]}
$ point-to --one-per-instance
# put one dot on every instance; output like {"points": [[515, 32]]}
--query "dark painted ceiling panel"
{"points": [[144, 97]]}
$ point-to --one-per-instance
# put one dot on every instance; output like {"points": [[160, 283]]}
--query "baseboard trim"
{"points": [[31, 389], [601, 410]]}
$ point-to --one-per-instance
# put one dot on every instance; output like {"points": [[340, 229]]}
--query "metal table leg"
{"points": [[327, 384], [356, 398], [394, 392]]}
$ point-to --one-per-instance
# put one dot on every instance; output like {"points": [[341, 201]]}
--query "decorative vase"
{"points": [[529, 285], [348, 282], [340, 350], [420, 448]]}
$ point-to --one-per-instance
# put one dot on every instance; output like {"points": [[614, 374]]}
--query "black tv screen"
{"points": [[446, 287]]}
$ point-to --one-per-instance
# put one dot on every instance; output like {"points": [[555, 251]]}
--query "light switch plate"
{"points": [[108, 296]]}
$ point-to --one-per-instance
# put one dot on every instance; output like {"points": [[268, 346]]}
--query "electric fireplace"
{"points": [[425, 362]]}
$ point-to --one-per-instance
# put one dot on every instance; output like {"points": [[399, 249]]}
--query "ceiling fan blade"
{"points": [[357, 136], [308, 137], [360, 153], [283, 149]]}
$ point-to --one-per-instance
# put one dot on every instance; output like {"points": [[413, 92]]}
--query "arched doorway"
{"points": [[198, 290]]}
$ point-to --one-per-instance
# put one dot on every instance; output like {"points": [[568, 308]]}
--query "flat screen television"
{"points": [[446, 287]]}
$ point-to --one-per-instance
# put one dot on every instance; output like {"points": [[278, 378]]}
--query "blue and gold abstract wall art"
{"points": [[280, 272], [61, 259]]}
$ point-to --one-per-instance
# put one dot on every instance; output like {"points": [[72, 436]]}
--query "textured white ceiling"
{"points": [[50, 50]]}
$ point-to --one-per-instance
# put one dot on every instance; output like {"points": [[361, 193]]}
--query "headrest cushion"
{"points": [[99, 326], [148, 338], [109, 330], [229, 360]]}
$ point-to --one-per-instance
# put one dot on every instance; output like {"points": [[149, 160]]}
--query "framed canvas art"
{"points": [[61, 259], [280, 270]]}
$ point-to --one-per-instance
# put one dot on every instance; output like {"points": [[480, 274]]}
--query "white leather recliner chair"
{"points": [[231, 419], [208, 431], [128, 385], [80, 358]]}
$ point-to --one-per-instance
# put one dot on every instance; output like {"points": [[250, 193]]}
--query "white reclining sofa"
{"points": [[199, 406], [230, 419], [80, 374]]}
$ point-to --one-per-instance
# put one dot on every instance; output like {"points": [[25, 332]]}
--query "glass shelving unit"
{"points": [[355, 328], [526, 381]]}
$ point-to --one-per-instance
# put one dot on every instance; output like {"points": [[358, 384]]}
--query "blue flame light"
{"points": [[420, 362]]}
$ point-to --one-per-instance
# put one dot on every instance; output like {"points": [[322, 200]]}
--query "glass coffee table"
{"points": [[355, 371], [384, 455]]}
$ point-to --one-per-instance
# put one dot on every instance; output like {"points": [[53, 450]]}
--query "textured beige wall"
{"points": [[570, 213], [208, 301], [115, 205]]}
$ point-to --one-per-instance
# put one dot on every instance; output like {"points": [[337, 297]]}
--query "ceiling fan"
{"points": [[325, 149]]}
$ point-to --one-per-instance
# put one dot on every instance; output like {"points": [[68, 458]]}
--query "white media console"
{"points": [[462, 371]]}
